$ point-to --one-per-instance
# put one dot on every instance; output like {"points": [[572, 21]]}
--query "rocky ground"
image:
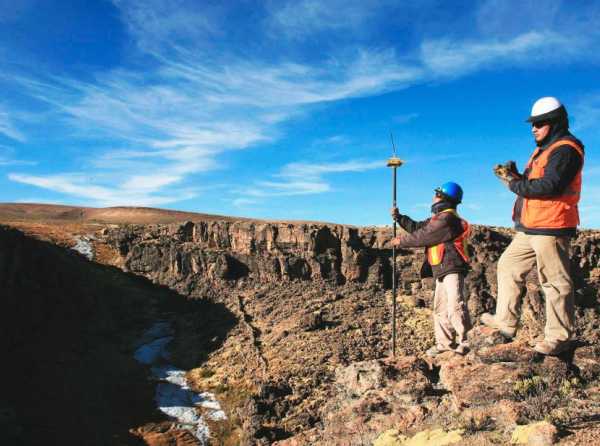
{"points": [[304, 356]]}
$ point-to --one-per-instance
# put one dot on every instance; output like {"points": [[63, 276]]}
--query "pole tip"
{"points": [[394, 162]]}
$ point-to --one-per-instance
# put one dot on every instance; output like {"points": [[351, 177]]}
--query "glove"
{"points": [[511, 166], [395, 214]]}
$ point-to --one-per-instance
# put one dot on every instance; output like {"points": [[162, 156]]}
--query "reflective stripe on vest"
{"points": [[435, 254], [554, 212]]}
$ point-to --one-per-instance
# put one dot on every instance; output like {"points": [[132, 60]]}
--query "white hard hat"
{"points": [[547, 109]]}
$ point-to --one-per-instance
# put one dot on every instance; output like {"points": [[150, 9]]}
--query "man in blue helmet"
{"points": [[444, 236]]}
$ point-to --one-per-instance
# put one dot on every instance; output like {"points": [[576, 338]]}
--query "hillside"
{"points": [[50, 213]]}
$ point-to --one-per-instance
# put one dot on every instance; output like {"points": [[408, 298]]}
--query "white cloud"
{"points": [[79, 186], [511, 17], [448, 58], [8, 158], [8, 128], [306, 178], [586, 112], [174, 117], [298, 19], [243, 202], [155, 22]]}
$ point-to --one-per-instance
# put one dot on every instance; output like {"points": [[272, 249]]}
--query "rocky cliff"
{"points": [[289, 325], [314, 299], [193, 258]]}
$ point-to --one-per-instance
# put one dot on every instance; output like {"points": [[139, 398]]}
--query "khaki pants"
{"points": [[551, 254], [450, 316]]}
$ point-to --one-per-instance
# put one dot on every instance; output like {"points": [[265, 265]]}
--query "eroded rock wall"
{"points": [[192, 257], [181, 255], [313, 299]]}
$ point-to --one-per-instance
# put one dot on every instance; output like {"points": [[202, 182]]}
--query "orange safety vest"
{"points": [[554, 212], [435, 254]]}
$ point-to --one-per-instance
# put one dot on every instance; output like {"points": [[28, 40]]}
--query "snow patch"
{"points": [[173, 395], [83, 245]]}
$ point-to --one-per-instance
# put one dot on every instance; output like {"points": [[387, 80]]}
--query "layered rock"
{"points": [[193, 257], [264, 252]]}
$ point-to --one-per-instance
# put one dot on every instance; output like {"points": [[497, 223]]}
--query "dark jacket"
{"points": [[444, 227], [563, 165]]}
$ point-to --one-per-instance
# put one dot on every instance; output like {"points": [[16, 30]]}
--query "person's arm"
{"points": [[436, 231], [410, 225], [563, 165], [407, 223]]}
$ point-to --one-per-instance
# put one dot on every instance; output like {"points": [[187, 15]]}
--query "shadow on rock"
{"points": [[68, 329]]}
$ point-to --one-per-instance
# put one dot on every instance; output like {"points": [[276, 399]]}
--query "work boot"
{"points": [[552, 348], [435, 351], [462, 349], [489, 320]]}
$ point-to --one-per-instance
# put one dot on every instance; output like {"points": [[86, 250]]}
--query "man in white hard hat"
{"points": [[546, 217]]}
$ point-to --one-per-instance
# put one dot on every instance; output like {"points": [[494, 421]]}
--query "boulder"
{"points": [[405, 378], [473, 382], [535, 434], [429, 437]]}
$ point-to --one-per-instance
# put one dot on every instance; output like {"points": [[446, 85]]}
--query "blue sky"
{"points": [[283, 110]]}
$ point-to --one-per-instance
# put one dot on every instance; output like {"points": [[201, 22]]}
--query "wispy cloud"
{"points": [[8, 158], [79, 186], [153, 23], [587, 112], [244, 202], [172, 116], [306, 178], [448, 58], [7, 127], [305, 17]]}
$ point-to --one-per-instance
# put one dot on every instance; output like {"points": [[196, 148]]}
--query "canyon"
{"points": [[286, 323]]}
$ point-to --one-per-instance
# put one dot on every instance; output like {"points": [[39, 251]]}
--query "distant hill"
{"points": [[48, 213]]}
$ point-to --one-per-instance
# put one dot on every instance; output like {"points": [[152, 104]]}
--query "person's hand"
{"points": [[507, 172], [511, 166], [395, 214], [395, 242]]}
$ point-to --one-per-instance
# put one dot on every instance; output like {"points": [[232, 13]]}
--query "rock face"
{"points": [[192, 257], [293, 324], [314, 321], [266, 252]]}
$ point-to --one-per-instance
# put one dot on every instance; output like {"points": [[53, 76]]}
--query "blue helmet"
{"points": [[451, 191]]}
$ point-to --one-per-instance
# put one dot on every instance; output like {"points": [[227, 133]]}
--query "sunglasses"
{"points": [[539, 125]]}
